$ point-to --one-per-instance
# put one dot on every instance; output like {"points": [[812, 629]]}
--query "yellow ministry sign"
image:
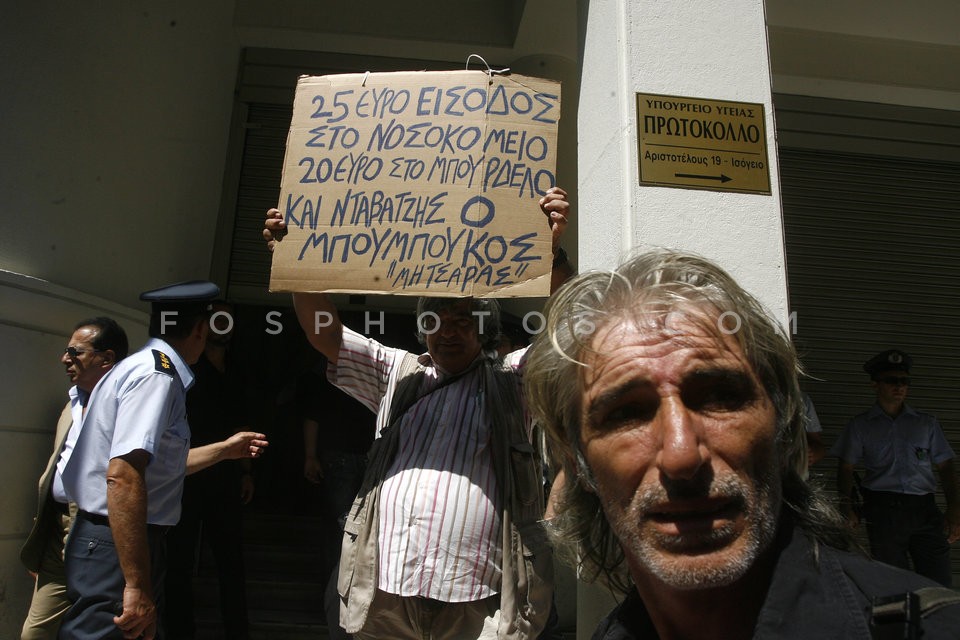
{"points": [[698, 143]]}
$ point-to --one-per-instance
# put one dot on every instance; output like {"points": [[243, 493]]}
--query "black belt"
{"points": [[899, 500], [61, 508], [94, 518], [104, 521], [431, 604]]}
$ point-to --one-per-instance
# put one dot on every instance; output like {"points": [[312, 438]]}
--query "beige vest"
{"points": [[526, 588]]}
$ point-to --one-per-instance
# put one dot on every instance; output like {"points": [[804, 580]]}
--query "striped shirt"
{"points": [[439, 533]]}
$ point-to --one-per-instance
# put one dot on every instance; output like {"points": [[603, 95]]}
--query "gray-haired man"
{"points": [[672, 400]]}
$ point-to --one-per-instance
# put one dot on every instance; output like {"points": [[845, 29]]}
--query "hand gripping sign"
{"points": [[418, 183]]}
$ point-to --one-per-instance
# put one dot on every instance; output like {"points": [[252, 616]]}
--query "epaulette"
{"points": [[163, 364]]}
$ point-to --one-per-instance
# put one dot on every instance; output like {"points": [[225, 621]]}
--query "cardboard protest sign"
{"points": [[418, 183]]}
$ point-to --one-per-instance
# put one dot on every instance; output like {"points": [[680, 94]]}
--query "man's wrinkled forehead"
{"points": [[657, 321], [703, 330]]}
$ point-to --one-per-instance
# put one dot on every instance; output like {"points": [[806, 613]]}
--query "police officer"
{"points": [[124, 468], [900, 447]]}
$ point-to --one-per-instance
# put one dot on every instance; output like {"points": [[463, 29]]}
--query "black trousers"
{"points": [[904, 528], [95, 582], [212, 513]]}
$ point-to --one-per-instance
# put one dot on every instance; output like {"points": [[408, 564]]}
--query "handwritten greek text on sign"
{"points": [[418, 183]]}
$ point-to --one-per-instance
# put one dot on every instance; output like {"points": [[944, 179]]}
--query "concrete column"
{"points": [[695, 49], [708, 50]]}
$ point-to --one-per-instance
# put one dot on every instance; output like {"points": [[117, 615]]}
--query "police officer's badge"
{"points": [[162, 363]]}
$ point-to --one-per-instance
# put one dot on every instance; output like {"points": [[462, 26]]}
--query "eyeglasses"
{"points": [[896, 380], [73, 352]]}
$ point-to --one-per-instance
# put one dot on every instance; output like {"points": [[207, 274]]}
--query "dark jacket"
{"points": [[809, 599]]}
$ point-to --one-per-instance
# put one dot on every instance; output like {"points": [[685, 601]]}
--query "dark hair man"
{"points": [[94, 347], [124, 465], [434, 548], [672, 400], [900, 447]]}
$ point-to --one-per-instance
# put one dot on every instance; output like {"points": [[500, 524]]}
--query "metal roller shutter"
{"points": [[258, 189], [872, 256], [872, 253]]}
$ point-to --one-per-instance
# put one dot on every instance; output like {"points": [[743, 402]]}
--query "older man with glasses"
{"points": [[94, 347], [899, 448]]}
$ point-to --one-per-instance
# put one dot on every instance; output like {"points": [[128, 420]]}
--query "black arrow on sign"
{"points": [[721, 177]]}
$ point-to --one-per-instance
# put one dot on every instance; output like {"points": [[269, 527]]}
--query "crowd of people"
{"points": [[678, 450]]}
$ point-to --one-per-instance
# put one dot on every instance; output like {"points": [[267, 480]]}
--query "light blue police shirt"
{"points": [[139, 404], [899, 454]]}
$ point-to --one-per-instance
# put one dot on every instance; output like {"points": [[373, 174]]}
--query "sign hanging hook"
{"points": [[490, 71]]}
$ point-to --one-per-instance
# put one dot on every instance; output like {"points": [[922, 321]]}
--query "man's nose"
{"points": [[682, 454], [446, 328]]}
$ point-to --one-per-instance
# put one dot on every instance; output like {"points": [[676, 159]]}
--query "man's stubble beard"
{"points": [[663, 555]]}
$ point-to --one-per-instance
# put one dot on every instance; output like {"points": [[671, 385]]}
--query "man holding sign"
{"points": [[443, 540]]}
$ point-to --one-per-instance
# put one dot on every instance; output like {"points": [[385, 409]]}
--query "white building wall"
{"points": [[714, 50], [115, 122]]}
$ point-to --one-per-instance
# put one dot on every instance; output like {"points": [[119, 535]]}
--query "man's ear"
{"points": [[109, 357]]}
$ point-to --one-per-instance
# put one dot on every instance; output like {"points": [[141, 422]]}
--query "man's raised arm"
{"points": [[315, 311]]}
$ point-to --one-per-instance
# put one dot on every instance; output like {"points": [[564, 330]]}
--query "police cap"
{"points": [[889, 360], [182, 294]]}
